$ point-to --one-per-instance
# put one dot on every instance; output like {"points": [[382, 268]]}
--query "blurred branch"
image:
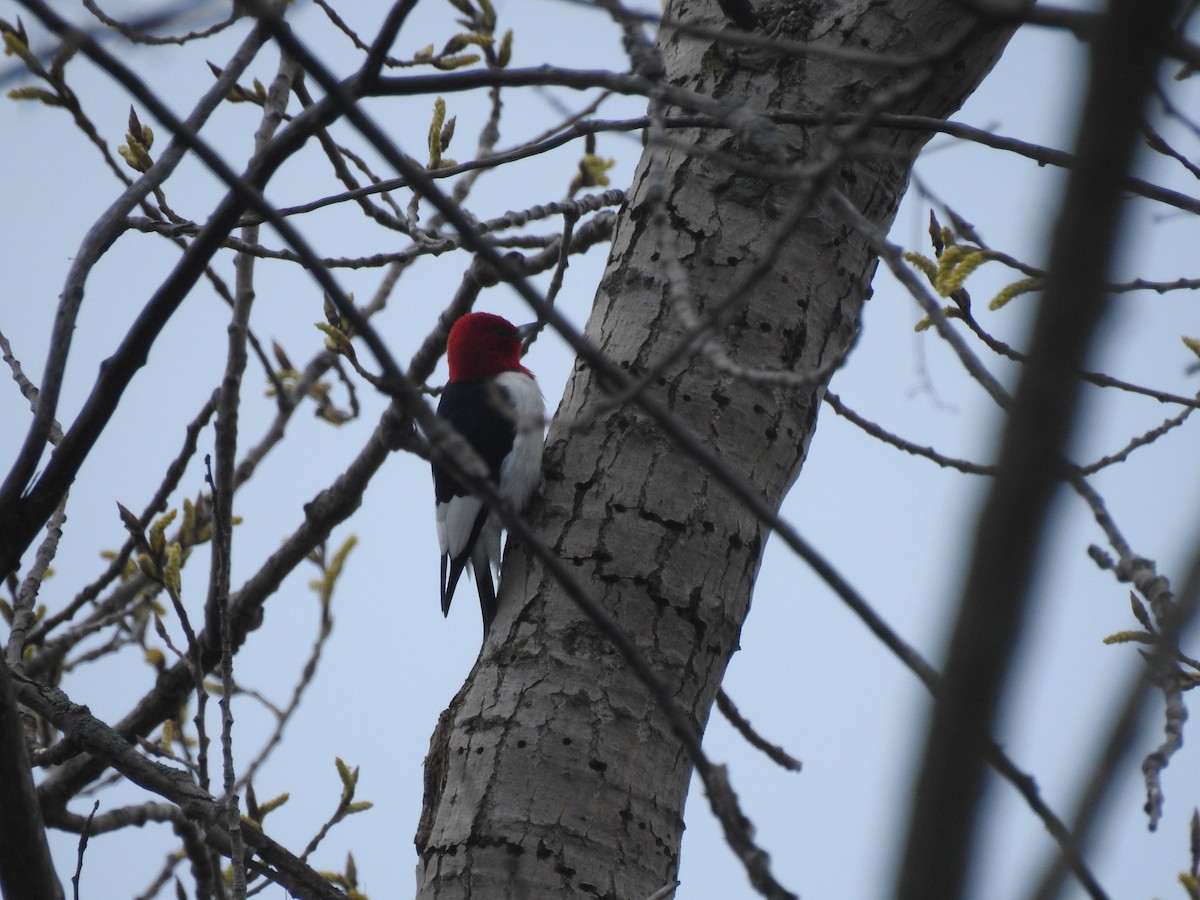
{"points": [[1087, 26], [941, 829]]}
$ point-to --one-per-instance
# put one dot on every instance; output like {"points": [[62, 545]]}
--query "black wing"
{"points": [[470, 406]]}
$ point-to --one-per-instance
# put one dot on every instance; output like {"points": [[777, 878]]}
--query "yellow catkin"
{"points": [[1016, 289], [956, 277]]}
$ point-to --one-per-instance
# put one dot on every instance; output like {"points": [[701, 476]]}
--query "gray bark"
{"points": [[553, 773]]}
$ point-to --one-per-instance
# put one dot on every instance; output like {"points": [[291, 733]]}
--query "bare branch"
{"points": [[1115, 749], [27, 388], [900, 443], [26, 869], [97, 241], [84, 834], [173, 784], [776, 753]]}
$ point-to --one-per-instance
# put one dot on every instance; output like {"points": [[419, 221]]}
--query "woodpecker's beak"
{"points": [[527, 334]]}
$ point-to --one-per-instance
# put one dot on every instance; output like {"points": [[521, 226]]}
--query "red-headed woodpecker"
{"points": [[495, 404]]}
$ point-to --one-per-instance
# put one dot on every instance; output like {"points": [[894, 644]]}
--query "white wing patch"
{"points": [[455, 520], [522, 468]]}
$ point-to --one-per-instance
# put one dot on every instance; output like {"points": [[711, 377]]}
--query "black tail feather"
{"points": [[487, 596], [452, 569], [450, 578]]}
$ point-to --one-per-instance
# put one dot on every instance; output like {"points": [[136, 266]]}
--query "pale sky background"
{"points": [[809, 675]]}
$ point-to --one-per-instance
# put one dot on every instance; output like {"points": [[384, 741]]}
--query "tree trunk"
{"points": [[553, 773]]}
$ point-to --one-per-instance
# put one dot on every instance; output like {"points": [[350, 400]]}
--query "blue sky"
{"points": [[808, 674]]}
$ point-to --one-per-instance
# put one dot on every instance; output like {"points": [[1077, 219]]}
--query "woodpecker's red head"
{"points": [[481, 346]]}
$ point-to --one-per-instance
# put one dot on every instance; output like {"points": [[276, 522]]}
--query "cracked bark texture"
{"points": [[552, 773]]}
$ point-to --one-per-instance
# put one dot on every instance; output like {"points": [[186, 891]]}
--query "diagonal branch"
{"points": [[21, 516], [107, 228]]}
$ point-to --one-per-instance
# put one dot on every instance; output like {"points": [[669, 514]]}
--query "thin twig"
{"points": [[24, 615], [947, 462], [27, 388], [776, 753], [84, 834], [1124, 728]]}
